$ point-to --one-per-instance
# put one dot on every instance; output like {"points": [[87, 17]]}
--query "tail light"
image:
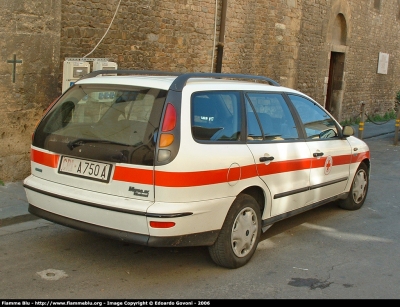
{"points": [[166, 137], [169, 122]]}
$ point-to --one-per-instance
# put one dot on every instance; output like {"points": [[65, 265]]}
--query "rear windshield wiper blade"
{"points": [[79, 142]]}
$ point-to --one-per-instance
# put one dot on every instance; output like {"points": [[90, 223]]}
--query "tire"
{"points": [[239, 235], [358, 191]]}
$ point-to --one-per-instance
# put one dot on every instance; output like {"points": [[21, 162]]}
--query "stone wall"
{"points": [[30, 30], [147, 34], [373, 31], [288, 40], [182, 35]]}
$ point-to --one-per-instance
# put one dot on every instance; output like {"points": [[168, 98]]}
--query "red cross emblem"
{"points": [[328, 165]]}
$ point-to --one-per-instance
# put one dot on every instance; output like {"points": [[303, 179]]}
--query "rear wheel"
{"points": [[358, 191], [239, 235]]}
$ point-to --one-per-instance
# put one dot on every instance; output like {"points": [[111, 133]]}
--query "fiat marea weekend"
{"points": [[195, 159]]}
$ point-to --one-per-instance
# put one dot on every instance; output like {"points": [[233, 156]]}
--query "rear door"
{"points": [[100, 138], [282, 158]]}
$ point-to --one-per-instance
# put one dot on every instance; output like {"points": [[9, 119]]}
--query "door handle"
{"points": [[318, 154], [265, 159]]}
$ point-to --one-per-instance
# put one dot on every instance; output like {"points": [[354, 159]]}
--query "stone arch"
{"points": [[339, 30], [338, 35], [339, 23]]}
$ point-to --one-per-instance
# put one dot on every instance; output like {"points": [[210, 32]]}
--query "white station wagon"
{"points": [[198, 159]]}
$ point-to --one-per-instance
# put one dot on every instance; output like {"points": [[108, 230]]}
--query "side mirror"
{"points": [[347, 131]]}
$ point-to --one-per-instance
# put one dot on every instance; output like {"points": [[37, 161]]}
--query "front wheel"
{"points": [[239, 235], [358, 191]]}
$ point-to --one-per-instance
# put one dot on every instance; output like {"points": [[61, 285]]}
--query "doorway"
{"points": [[335, 88]]}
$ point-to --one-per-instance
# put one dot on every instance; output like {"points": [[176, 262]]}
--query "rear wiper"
{"points": [[79, 142]]}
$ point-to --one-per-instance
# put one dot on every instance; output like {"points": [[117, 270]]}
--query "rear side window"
{"points": [[216, 116], [269, 118], [109, 123], [316, 121]]}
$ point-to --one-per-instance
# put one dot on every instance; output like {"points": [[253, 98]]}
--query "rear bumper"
{"points": [[198, 239], [196, 223]]}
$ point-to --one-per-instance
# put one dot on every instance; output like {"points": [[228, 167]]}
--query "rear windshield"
{"points": [[110, 123]]}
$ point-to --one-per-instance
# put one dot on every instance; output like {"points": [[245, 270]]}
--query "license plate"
{"points": [[85, 168]]}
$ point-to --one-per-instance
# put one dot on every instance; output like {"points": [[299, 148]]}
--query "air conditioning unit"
{"points": [[73, 71], [104, 65]]}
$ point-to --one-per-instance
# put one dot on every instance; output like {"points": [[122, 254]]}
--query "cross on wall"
{"points": [[14, 61]]}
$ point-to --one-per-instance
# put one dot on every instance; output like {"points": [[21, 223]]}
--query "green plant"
{"points": [[390, 115], [1, 182], [374, 118], [350, 121], [382, 118], [398, 96]]}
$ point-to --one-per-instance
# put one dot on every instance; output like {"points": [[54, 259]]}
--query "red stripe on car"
{"points": [[47, 159]]}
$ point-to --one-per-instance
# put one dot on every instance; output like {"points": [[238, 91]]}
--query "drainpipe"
{"points": [[220, 46]]}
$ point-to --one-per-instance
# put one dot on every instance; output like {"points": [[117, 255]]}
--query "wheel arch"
{"points": [[367, 162], [259, 195]]}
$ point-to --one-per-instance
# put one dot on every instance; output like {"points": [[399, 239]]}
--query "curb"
{"points": [[13, 204]]}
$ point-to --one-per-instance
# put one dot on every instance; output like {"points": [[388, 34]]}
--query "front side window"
{"points": [[110, 123], [216, 116], [316, 121]]}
